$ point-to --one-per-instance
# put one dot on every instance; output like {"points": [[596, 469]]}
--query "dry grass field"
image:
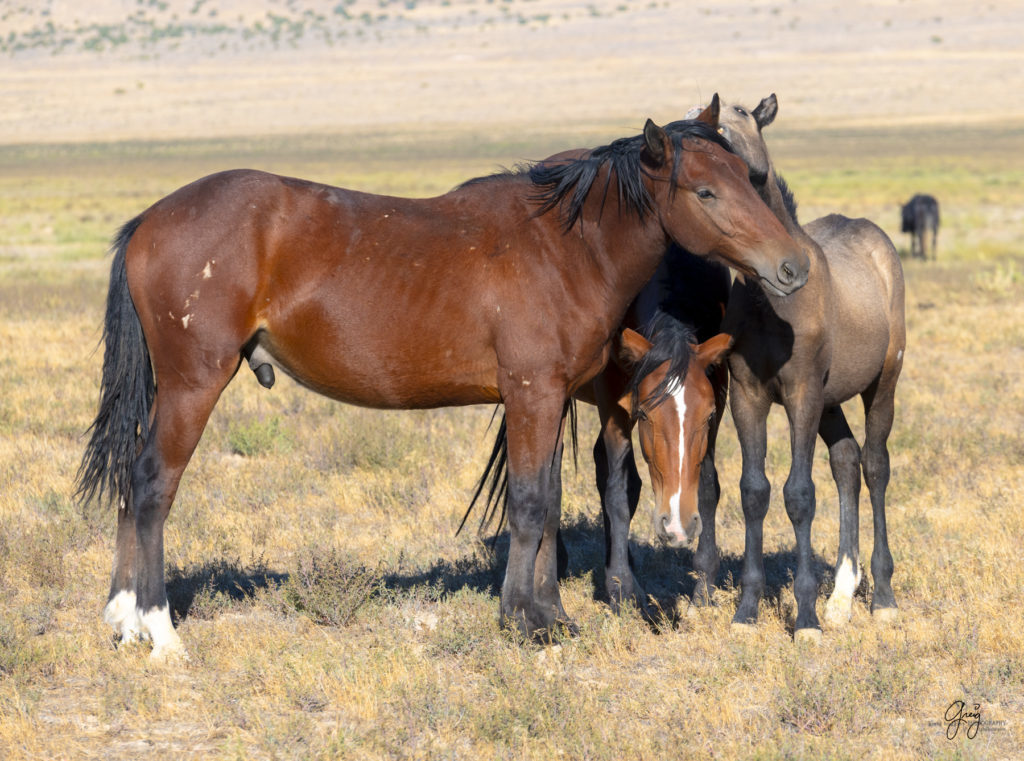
{"points": [[328, 607]]}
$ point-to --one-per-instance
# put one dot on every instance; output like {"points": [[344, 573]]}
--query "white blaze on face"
{"points": [[676, 398]]}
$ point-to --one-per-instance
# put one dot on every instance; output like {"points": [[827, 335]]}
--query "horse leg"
{"points": [[535, 425], [706, 560], [804, 415], [844, 459], [546, 569], [750, 417], [879, 404], [120, 611], [618, 483], [180, 415]]}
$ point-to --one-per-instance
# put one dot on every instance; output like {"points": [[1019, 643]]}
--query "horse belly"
{"points": [[858, 355], [354, 356]]}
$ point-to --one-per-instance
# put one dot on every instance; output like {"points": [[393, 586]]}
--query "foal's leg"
{"points": [[804, 412], [180, 416], [618, 483], [878, 416], [750, 416], [534, 436], [706, 560], [844, 459]]}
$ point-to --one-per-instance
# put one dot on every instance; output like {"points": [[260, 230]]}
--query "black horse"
{"points": [[920, 217]]}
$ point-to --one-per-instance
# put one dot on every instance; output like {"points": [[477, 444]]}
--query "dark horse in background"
{"points": [[508, 289], [921, 218], [841, 335]]}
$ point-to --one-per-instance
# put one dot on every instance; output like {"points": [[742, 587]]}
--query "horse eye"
{"points": [[704, 194]]}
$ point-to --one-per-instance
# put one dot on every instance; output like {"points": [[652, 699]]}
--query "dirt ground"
{"points": [[127, 69]]}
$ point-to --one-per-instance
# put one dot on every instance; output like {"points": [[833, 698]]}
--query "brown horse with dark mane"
{"points": [[508, 289], [668, 381]]}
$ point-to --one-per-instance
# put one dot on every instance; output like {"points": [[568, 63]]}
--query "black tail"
{"points": [[126, 391], [495, 476]]}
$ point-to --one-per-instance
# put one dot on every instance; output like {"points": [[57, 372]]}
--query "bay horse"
{"points": [[840, 336], [668, 379], [920, 216], [507, 289]]}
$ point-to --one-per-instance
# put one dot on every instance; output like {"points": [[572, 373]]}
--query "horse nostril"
{"points": [[787, 273]]}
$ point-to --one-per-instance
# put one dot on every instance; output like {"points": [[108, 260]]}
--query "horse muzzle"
{"points": [[671, 531], [789, 277]]}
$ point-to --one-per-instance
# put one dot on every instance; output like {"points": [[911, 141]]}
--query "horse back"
{"points": [[868, 323], [860, 256], [370, 299]]}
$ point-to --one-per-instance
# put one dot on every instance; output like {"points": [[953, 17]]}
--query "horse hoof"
{"points": [[886, 615], [838, 611], [170, 654], [810, 635], [567, 627]]}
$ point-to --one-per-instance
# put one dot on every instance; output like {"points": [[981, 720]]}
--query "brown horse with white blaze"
{"points": [[482, 295]]}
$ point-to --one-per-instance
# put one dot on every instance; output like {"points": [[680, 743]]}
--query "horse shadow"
{"points": [[665, 572], [224, 579]]}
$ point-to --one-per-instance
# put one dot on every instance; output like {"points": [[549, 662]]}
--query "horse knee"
{"points": [[875, 462], [755, 491], [527, 508], [845, 455], [799, 497], [151, 493]]}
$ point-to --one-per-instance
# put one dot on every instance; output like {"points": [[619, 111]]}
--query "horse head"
{"points": [[674, 404]]}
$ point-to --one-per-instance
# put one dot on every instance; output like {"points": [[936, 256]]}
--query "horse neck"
{"points": [[785, 210], [626, 247]]}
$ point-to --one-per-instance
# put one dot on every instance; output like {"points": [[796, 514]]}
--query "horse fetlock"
{"points": [[838, 609], [121, 614]]}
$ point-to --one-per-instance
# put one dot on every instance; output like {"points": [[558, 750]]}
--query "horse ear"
{"points": [[655, 143], [714, 350], [766, 110], [632, 347], [710, 114]]}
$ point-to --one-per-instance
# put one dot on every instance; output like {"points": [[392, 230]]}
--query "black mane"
{"points": [[787, 196], [567, 184], [671, 341]]}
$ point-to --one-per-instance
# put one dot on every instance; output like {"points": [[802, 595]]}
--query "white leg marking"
{"points": [[121, 614], [840, 604], [166, 642]]}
